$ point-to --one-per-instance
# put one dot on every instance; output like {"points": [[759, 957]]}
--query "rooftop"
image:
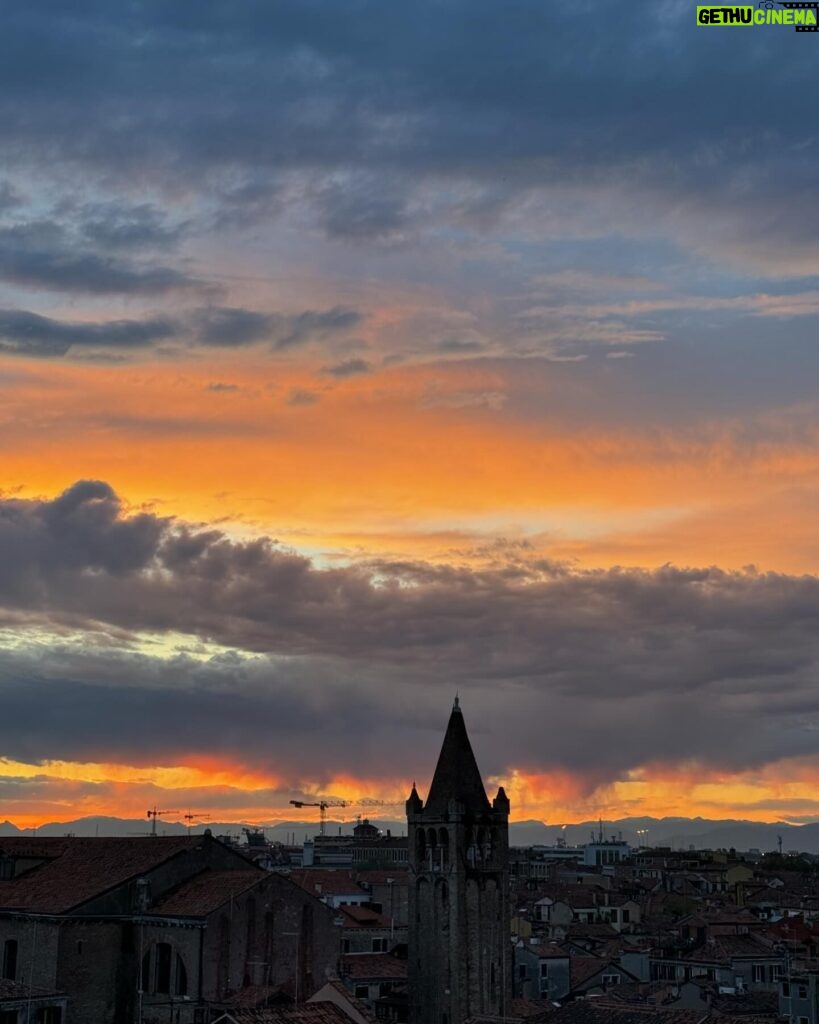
{"points": [[75, 871], [373, 966], [206, 892]]}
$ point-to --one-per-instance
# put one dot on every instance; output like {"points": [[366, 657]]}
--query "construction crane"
{"points": [[154, 814], [192, 817], [322, 805], [372, 802]]}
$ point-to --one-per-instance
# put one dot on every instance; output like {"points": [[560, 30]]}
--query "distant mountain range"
{"points": [[700, 833]]}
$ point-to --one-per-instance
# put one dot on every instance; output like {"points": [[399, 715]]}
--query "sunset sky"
{"points": [[357, 353]]}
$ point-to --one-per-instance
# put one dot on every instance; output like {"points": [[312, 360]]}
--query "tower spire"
{"points": [[456, 774]]}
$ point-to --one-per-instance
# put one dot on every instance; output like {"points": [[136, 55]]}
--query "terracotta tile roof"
{"points": [[583, 968], [755, 1018], [592, 930], [308, 1013], [749, 1004], [206, 892], [325, 882], [579, 897], [363, 917], [725, 948], [525, 1009], [380, 876], [375, 966], [520, 1011], [548, 951], [598, 1011], [80, 869], [33, 846], [346, 999]]}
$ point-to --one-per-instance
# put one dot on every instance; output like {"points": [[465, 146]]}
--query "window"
{"points": [[162, 968], [362, 991], [50, 1015], [624, 915], [759, 972], [522, 972], [786, 989], [181, 977], [10, 959], [379, 945], [801, 1020], [544, 970], [169, 976], [802, 992], [611, 979], [8, 1017]]}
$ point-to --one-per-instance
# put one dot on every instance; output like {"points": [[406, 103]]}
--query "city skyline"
{"points": [[354, 356]]}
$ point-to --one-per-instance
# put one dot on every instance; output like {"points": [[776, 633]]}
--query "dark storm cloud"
{"points": [[362, 207], [26, 333], [689, 663], [125, 226], [44, 255], [236, 327], [316, 324]]}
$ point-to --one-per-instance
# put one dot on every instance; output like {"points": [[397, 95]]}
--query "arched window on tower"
{"points": [[443, 844], [471, 851], [482, 846], [421, 846], [432, 851]]}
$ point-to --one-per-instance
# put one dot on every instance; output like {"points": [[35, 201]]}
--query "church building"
{"points": [[460, 954]]}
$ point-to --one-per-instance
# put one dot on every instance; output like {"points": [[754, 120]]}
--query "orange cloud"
{"points": [[375, 466], [60, 791]]}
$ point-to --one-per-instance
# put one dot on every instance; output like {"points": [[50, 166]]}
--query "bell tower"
{"points": [[460, 955]]}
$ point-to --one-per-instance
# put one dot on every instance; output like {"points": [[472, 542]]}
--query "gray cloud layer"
{"points": [[688, 663], [25, 333], [372, 103]]}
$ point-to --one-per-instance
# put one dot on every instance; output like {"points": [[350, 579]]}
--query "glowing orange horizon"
{"points": [[231, 792]]}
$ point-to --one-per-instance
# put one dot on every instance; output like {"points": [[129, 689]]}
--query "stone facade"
{"points": [[196, 929]]}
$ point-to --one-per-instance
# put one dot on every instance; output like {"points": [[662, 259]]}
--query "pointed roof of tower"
{"points": [[456, 774]]}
